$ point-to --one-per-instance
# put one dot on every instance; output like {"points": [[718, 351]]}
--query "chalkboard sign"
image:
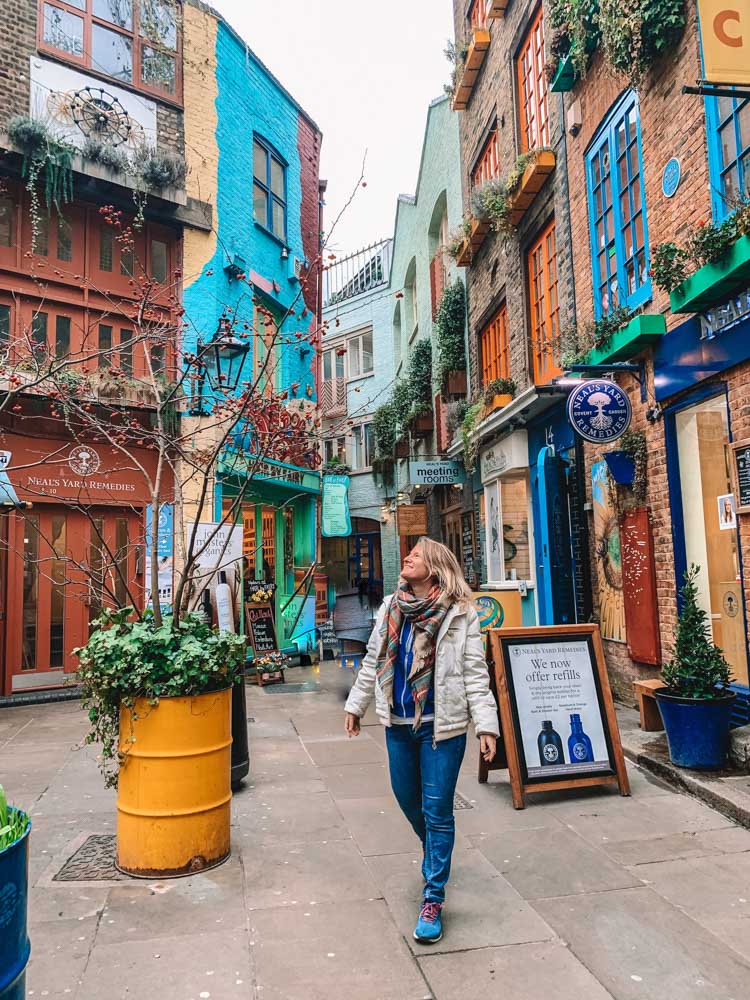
{"points": [[467, 546], [260, 629], [556, 711], [328, 634], [741, 451]]}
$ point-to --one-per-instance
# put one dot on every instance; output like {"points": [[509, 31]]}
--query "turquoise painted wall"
{"points": [[250, 101]]}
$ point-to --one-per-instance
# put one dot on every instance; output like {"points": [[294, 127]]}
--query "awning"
{"points": [[8, 496]]}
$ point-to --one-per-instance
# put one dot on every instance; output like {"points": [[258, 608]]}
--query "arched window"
{"points": [[617, 210]]}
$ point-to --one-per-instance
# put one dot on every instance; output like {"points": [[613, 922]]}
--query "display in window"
{"points": [[608, 558]]}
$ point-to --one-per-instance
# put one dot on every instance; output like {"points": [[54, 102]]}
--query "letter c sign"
{"points": [[720, 28]]}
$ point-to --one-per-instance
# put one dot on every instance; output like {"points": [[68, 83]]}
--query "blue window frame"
{"points": [[269, 188], [617, 210], [728, 128]]}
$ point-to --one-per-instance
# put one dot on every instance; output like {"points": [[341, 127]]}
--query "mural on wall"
{"points": [[76, 107], [608, 557]]}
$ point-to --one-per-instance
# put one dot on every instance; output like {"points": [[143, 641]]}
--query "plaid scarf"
{"points": [[425, 615]]}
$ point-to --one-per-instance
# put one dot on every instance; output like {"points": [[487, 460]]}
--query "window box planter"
{"points": [[475, 57], [478, 233], [498, 402], [455, 384], [497, 8], [422, 426], [715, 283], [565, 76], [621, 467], [648, 328], [402, 449], [531, 184], [466, 254]]}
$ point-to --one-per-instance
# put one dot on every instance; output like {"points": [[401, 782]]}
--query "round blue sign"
{"points": [[599, 411], [670, 179]]}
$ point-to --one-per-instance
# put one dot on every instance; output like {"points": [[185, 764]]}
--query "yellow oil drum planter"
{"points": [[173, 793], [160, 704]]}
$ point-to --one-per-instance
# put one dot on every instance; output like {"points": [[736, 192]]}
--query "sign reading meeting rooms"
{"points": [[436, 472]]}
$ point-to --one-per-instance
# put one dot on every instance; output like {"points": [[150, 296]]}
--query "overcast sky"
{"points": [[366, 74]]}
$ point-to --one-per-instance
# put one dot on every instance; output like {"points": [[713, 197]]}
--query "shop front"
{"points": [[78, 546], [278, 513], [700, 378]]}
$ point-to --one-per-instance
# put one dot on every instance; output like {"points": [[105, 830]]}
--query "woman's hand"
{"points": [[487, 747], [351, 723]]}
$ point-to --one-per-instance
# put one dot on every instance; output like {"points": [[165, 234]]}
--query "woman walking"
{"points": [[425, 664]]}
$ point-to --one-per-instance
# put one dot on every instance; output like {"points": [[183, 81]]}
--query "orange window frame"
{"points": [[132, 34], [532, 87], [493, 341], [544, 306], [488, 164], [478, 14]]}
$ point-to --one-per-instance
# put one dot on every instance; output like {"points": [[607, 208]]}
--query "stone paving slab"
{"points": [[481, 910], [376, 826], [522, 972], [352, 781], [640, 947], [337, 950], [344, 750], [60, 951], [276, 818], [701, 843]]}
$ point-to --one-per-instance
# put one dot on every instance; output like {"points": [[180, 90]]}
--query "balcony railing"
{"points": [[359, 272]]}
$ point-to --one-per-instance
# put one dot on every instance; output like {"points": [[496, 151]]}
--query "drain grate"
{"points": [[307, 687], [94, 861], [459, 802]]}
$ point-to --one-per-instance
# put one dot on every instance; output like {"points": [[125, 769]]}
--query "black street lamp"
{"points": [[221, 361]]}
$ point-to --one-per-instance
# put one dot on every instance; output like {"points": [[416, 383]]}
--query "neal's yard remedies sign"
{"points": [[556, 709], [599, 411], [437, 472], [336, 521]]}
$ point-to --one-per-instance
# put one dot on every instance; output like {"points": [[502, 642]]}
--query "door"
{"points": [[554, 554]]}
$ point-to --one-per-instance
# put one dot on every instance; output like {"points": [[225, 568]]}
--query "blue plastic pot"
{"points": [[621, 467], [697, 730], [14, 941]]}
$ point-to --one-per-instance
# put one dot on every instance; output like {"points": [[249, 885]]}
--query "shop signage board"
{"points": [[220, 550], [412, 519], [260, 629], [599, 411], [436, 472], [556, 711], [505, 456], [336, 520], [741, 470], [725, 40], [467, 544]]}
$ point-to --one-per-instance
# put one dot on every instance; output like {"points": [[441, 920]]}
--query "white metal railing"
{"points": [[356, 273]]}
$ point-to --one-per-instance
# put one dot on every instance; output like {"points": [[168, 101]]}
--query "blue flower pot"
{"points": [[621, 467], [697, 730], [14, 941]]}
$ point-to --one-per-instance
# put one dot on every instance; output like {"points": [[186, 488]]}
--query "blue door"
{"points": [[554, 554]]}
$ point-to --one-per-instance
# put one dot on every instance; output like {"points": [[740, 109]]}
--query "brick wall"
{"points": [[308, 145], [18, 41]]}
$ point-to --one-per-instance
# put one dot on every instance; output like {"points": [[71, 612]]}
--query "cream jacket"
{"points": [[461, 682]]}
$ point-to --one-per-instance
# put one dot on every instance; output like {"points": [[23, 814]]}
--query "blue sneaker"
{"points": [[429, 927]]}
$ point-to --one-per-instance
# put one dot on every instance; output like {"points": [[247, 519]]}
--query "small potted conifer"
{"points": [[696, 703]]}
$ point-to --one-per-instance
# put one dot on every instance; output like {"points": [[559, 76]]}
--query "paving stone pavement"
{"points": [[578, 897]]}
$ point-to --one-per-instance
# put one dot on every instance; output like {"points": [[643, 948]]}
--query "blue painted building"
{"points": [[254, 152]]}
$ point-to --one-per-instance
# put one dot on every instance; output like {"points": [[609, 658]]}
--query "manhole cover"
{"points": [[94, 861], [459, 802], [307, 687]]}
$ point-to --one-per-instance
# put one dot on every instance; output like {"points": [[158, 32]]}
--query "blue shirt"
{"points": [[403, 699]]}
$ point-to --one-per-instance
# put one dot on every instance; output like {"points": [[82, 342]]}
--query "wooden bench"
{"points": [[649, 710]]}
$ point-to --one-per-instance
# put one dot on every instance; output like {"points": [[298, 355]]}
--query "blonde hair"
{"points": [[443, 566]]}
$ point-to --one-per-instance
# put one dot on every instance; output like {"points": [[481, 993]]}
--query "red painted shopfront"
{"points": [[78, 546]]}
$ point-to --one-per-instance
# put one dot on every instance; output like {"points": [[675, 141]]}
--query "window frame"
{"points": [[721, 210], [605, 142], [495, 334], [480, 172], [364, 430], [476, 19], [356, 342], [271, 153], [542, 374], [539, 94], [137, 41]]}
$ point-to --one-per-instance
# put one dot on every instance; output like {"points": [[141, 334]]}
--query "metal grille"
{"points": [[459, 802], [359, 272], [94, 861], [306, 687]]}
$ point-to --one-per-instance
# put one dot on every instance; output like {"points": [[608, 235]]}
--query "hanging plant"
{"points": [[706, 243], [454, 415], [419, 379], [668, 266], [384, 430], [577, 22], [635, 34], [633, 443], [499, 387], [457, 238], [450, 323], [469, 438], [456, 56]]}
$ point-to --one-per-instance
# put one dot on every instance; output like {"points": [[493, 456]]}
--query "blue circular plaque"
{"points": [[670, 179], [599, 411]]}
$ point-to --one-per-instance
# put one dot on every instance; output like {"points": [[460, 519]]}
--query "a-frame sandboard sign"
{"points": [[558, 721]]}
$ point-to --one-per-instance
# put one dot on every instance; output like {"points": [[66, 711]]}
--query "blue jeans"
{"points": [[424, 781]]}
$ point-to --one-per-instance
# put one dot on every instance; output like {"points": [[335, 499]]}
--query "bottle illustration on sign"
{"points": [[550, 746], [580, 750], [224, 609]]}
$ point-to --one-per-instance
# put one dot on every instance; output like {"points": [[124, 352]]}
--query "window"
{"points": [[159, 258], [4, 327], [359, 351], [488, 163], [728, 120], [106, 247], [62, 336], [126, 351], [532, 87], [39, 332], [333, 390], [362, 449], [617, 211], [135, 42], [334, 451], [493, 342], [269, 189], [104, 346], [506, 506], [478, 14], [7, 213], [544, 308]]}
